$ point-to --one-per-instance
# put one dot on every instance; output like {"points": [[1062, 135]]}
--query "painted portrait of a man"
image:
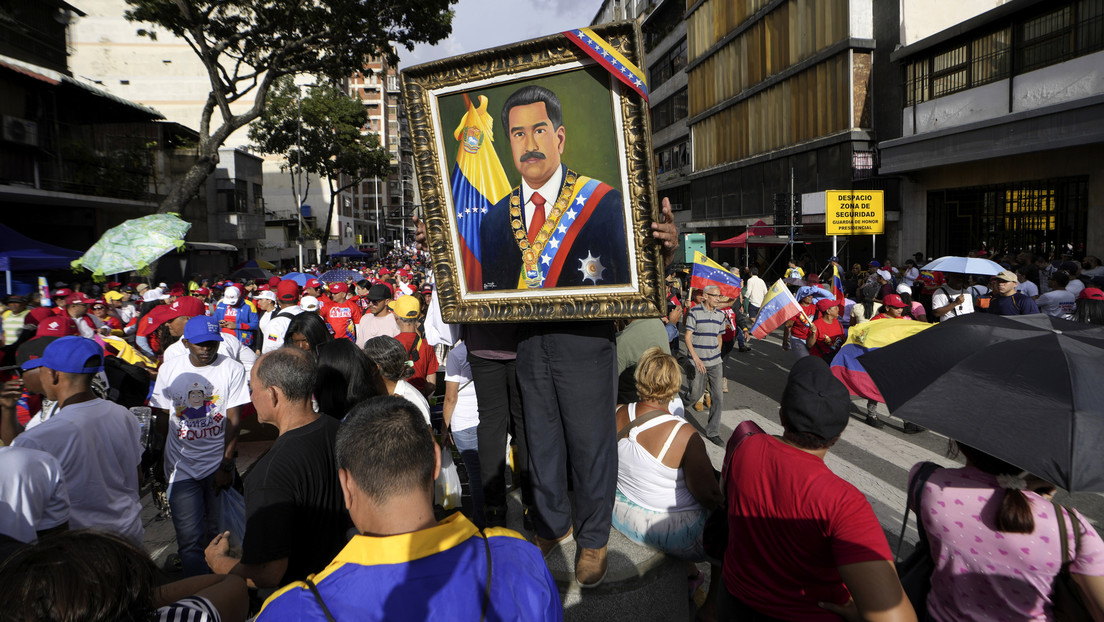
{"points": [[558, 227]]}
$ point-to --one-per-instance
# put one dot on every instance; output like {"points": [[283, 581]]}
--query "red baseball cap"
{"points": [[826, 303], [287, 291], [112, 284], [339, 288], [384, 271], [893, 300], [57, 326], [61, 293], [177, 291], [153, 320], [185, 306], [78, 299], [202, 291], [1091, 293], [264, 288], [313, 283], [274, 281]]}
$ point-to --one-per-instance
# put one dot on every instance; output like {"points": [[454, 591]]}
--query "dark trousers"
{"points": [[496, 388], [732, 609], [568, 378]]}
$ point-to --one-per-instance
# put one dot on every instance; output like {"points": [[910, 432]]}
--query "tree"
{"points": [[321, 132], [247, 45]]}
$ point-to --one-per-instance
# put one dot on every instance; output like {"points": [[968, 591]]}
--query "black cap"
{"points": [[815, 401], [33, 349], [379, 292]]}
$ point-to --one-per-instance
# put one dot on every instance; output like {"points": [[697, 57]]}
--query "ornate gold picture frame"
{"points": [[548, 218]]}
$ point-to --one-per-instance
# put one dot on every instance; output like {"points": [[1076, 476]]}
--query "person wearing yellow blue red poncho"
{"points": [[404, 565], [558, 228]]}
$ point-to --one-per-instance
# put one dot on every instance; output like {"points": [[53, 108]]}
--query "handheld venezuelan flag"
{"points": [[707, 272], [864, 338], [779, 306], [478, 182], [837, 284]]}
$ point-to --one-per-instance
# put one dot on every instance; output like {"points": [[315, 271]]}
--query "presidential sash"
{"points": [[576, 201]]}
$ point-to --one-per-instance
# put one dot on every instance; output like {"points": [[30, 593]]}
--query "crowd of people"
{"points": [[342, 516]]}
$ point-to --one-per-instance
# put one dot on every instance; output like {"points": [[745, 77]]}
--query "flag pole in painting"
{"points": [[779, 306], [478, 182], [707, 272]]}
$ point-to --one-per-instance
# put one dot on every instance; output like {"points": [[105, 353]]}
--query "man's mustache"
{"points": [[532, 155]]}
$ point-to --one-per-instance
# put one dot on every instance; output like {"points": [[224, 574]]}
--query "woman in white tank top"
{"points": [[666, 485]]}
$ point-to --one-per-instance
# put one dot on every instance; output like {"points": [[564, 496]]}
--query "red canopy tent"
{"points": [[759, 234]]}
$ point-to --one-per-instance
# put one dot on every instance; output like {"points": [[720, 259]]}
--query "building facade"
{"points": [[1001, 139]]}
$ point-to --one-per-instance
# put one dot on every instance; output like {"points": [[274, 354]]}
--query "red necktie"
{"points": [[538, 216]]}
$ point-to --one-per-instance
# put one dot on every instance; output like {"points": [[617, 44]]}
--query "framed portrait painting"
{"points": [[535, 173]]}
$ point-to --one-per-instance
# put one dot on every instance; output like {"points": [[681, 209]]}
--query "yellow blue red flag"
{"points": [[478, 182], [779, 305], [707, 272], [864, 338]]}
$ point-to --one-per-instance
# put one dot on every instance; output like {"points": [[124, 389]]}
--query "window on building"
{"points": [[668, 65], [1072, 28], [670, 110]]}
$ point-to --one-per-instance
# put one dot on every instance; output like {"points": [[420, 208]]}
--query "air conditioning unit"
{"points": [[20, 131]]}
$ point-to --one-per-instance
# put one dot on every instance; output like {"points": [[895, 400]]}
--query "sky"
{"points": [[481, 24]]}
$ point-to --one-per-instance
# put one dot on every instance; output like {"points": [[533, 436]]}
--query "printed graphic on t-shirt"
{"points": [[231, 316], [198, 412]]}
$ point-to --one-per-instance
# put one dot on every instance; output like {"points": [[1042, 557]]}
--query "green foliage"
{"points": [[320, 132]]}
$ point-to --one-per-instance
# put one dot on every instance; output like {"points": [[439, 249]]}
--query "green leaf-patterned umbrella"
{"points": [[134, 245]]}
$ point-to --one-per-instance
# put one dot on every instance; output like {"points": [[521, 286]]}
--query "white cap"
{"points": [[153, 295], [265, 295], [885, 274], [308, 303], [904, 289], [230, 295]]}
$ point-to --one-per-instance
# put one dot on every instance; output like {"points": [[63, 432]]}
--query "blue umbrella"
{"points": [[340, 276], [964, 265], [298, 277]]}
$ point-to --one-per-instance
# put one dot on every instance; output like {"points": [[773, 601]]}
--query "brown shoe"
{"points": [[546, 546], [707, 400], [591, 566], [698, 406]]}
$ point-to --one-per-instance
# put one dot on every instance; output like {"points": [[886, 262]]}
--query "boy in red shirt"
{"points": [[341, 314]]}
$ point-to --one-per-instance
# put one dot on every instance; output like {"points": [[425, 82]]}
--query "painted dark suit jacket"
{"points": [[602, 236]]}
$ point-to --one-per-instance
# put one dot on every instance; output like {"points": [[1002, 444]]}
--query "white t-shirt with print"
{"points": [[231, 347], [466, 413], [33, 496], [97, 445], [197, 399], [1058, 303]]}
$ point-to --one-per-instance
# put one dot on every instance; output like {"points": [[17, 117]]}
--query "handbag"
{"points": [[715, 532], [915, 571], [446, 488], [1066, 597]]}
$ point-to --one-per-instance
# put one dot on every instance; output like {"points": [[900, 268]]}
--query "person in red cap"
{"points": [[341, 314], [313, 287], [404, 285], [104, 318], [826, 334], [76, 307], [274, 282], [58, 298], [287, 297], [146, 337], [893, 307]]}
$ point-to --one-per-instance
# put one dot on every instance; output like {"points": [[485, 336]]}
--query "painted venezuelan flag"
{"points": [[864, 338], [779, 306], [607, 56], [478, 182], [707, 272]]}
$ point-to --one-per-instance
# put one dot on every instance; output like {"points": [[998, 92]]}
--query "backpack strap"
{"points": [[487, 592], [318, 597], [739, 435]]}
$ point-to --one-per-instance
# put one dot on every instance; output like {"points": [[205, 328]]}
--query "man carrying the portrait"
{"points": [[558, 228]]}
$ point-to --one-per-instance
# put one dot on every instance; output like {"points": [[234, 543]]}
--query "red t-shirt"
{"points": [[800, 330], [792, 523], [343, 317], [833, 333], [426, 365]]}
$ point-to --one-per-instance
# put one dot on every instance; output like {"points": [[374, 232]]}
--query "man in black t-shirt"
{"points": [[295, 513]]}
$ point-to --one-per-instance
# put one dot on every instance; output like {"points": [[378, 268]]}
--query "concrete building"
{"points": [[1000, 138]]}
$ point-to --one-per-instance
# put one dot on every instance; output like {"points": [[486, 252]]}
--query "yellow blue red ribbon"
{"points": [[600, 50]]}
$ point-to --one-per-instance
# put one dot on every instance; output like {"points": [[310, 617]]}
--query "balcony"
{"points": [[240, 226]]}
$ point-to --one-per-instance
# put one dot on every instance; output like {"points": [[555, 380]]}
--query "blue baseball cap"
{"points": [[70, 355], [201, 329]]}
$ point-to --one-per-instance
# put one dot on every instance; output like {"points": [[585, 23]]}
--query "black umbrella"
{"points": [[1028, 389], [249, 274]]}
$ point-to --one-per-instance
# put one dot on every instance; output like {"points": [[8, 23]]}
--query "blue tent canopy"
{"points": [[21, 254], [349, 252]]}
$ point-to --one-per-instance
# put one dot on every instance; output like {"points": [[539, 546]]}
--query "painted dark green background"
{"points": [[590, 146]]}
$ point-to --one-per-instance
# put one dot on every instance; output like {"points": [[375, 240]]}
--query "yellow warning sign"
{"points": [[854, 212]]}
